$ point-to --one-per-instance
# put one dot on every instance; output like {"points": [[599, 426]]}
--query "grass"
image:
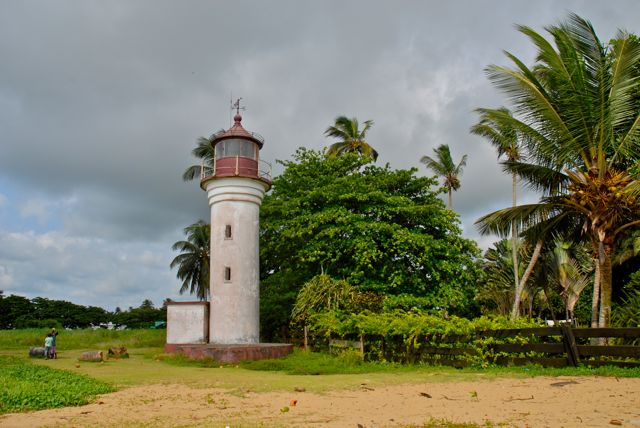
{"points": [[82, 339], [313, 363], [26, 386]]}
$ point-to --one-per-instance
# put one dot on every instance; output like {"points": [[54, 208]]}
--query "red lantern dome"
{"points": [[237, 154]]}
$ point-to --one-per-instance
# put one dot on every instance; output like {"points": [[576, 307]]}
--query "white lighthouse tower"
{"points": [[235, 187]]}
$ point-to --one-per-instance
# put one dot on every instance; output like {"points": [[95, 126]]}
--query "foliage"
{"points": [[570, 270], [28, 387], [398, 336], [27, 321], [13, 307], [627, 313], [496, 292], [20, 312], [407, 302], [141, 317], [194, 259], [321, 293], [381, 230], [203, 151], [407, 324], [577, 112], [444, 166], [352, 138], [507, 140]]}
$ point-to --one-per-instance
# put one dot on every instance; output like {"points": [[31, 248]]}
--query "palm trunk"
{"points": [[450, 199], [515, 311], [606, 274], [514, 240], [595, 302]]}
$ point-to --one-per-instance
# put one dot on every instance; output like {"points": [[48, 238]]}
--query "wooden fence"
{"points": [[548, 346]]}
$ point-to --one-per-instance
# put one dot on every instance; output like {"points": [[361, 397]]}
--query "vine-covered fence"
{"points": [[547, 346]]}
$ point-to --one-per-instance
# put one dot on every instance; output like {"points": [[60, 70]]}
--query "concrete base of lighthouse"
{"points": [[188, 334], [232, 353]]}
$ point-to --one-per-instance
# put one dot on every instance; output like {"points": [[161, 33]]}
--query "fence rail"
{"points": [[548, 346]]}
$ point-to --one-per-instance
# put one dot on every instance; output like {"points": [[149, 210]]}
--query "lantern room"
{"points": [[237, 154]]}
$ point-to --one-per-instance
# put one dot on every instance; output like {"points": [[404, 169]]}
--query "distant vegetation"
{"points": [[20, 312]]}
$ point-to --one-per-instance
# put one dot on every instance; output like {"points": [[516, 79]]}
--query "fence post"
{"points": [[306, 338], [570, 347]]}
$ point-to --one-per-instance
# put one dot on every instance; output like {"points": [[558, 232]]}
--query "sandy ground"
{"points": [[533, 402]]}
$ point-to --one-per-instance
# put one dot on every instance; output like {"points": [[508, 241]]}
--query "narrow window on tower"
{"points": [[227, 274], [227, 232]]}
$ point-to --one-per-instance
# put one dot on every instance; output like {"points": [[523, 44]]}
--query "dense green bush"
{"points": [[400, 336], [627, 312]]}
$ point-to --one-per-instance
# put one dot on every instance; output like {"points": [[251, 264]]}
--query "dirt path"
{"points": [[534, 402]]}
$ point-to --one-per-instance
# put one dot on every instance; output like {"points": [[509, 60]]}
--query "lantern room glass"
{"points": [[237, 147]]}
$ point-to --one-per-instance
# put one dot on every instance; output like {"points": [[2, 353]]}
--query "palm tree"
{"points": [[444, 167], [193, 260], [578, 114], [505, 140], [352, 139], [569, 271], [204, 151]]}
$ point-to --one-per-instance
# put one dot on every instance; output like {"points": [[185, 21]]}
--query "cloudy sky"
{"points": [[102, 102]]}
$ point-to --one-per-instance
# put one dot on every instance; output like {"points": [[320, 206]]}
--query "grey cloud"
{"points": [[101, 104]]}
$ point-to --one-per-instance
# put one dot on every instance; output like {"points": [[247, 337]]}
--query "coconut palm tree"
{"points": [[505, 140], [351, 138], [577, 110], [204, 151], [444, 167], [193, 260]]}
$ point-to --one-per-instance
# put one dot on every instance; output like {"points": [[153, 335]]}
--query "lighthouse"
{"points": [[227, 327], [235, 186]]}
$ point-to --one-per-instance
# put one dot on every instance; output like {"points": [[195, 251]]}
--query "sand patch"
{"points": [[532, 402]]}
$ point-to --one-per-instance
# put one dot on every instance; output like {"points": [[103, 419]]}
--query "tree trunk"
{"points": [[515, 311], [450, 199], [595, 302], [549, 305], [605, 288], [514, 238]]}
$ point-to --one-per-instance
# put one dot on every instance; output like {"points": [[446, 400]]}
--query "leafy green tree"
{"points": [[444, 166], [381, 230], [147, 304], [580, 125], [351, 137], [13, 307], [68, 314], [193, 260]]}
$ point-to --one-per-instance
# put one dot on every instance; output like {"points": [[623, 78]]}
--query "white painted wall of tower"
{"points": [[235, 302]]}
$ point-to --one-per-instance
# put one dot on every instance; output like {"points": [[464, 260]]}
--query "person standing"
{"points": [[48, 342], [54, 350]]}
